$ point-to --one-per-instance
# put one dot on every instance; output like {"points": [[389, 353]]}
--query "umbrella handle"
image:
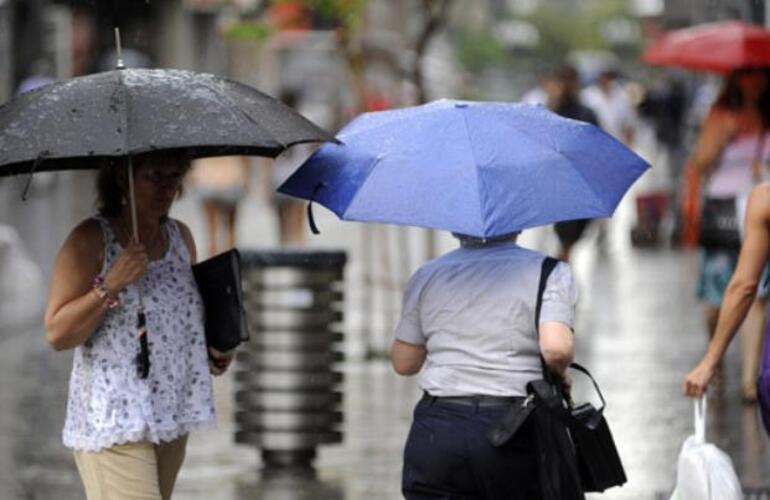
{"points": [[143, 358], [310, 218], [134, 221]]}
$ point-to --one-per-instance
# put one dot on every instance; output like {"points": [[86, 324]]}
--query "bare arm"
{"points": [[717, 131], [74, 310], [557, 346], [407, 359], [740, 291]]}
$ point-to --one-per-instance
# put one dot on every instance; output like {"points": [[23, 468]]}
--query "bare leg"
{"points": [[211, 212], [230, 214], [291, 217], [711, 314], [752, 334]]}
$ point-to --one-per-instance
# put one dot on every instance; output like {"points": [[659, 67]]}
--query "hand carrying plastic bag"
{"points": [[704, 471]]}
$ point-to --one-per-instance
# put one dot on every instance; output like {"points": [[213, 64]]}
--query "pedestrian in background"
{"points": [[730, 155], [564, 99], [129, 434], [220, 183], [291, 211], [740, 294], [609, 99], [468, 322]]}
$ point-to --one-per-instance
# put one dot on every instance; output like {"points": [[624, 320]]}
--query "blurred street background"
{"points": [[640, 327]]}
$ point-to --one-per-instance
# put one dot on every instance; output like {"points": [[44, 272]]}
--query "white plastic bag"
{"points": [[704, 472]]}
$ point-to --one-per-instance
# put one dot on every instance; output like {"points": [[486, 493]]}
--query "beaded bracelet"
{"points": [[101, 291]]}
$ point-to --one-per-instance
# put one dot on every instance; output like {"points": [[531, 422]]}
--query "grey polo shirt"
{"points": [[474, 310]]}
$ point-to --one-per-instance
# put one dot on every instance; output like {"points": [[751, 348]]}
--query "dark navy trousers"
{"points": [[448, 456]]}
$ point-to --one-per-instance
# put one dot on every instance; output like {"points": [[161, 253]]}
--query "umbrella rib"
{"points": [[244, 113], [376, 160], [475, 169], [585, 180]]}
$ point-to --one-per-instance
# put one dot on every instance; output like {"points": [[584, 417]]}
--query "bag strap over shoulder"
{"points": [[549, 264]]}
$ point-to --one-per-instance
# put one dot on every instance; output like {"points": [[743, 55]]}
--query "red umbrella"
{"points": [[717, 47]]}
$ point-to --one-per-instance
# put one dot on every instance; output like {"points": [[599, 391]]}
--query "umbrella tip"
{"points": [[119, 50]]}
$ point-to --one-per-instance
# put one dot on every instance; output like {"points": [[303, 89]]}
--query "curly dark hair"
{"points": [[112, 181], [731, 96]]}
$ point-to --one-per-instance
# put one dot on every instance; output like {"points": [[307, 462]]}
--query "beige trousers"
{"points": [[133, 471]]}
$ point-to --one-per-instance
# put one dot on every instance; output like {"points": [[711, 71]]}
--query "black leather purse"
{"points": [[575, 446], [597, 456], [219, 283]]}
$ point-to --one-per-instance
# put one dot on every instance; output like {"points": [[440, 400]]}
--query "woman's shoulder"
{"points": [[88, 231], [87, 238], [183, 229], [186, 235]]}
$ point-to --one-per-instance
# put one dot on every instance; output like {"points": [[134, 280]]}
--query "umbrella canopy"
{"points": [[132, 111], [476, 168], [717, 47]]}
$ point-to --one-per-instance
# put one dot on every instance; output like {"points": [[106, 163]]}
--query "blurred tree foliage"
{"points": [[563, 26]]}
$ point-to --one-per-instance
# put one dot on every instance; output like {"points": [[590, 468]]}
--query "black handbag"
{"points": [[597, 456], [719, 224], [219, 283], [575, 446]]}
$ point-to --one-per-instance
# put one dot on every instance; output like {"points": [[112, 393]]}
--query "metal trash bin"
{"points": [[287, 393]]}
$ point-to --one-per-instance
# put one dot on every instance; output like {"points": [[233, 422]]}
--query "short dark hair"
{"points": [[112, 181]]}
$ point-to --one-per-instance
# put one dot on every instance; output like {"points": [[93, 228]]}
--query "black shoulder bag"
{"points": [[576, 450]]}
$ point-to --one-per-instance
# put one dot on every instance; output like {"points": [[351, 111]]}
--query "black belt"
{"points": [[477, 401]]}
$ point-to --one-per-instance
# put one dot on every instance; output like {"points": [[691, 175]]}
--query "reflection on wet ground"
{"points": [[639, 331]]}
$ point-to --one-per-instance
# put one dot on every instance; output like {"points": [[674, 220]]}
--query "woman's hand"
{"points": [[219, 361], [697, 381], [129, 266]]}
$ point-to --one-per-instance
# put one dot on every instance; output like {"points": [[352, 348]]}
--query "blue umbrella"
{"points": [[483, 169]]}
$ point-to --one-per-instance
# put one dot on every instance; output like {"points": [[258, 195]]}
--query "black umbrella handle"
{"points": [[310, 218], [143, 358]]}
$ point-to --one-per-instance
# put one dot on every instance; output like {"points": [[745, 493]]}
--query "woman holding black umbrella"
{"points": [[129, 433]]}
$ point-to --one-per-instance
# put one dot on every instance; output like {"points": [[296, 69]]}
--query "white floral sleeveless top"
{"points": [[108, 403]]}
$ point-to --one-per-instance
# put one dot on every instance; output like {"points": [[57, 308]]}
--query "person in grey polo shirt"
{"points": [[467, 325]]}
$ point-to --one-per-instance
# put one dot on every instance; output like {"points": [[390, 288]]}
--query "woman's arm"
{"points": [[740, 291], [717, 131], [74, 309], [406, 358]]}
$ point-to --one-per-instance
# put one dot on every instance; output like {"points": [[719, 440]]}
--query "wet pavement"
{"points": [[639, 331]]}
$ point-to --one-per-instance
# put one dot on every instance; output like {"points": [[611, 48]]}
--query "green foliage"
{"points": [[573, 25], [563, 26], [479, 51], [347, 12], [250, 30]]}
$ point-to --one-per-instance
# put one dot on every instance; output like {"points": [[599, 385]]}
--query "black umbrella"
{"points": [[125, 112], [77, 124]]}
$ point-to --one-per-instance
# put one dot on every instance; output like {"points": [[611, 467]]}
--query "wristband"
{"points": [[110, 300]]}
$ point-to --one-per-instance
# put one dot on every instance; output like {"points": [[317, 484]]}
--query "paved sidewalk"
{"points": [[639, 331]]}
